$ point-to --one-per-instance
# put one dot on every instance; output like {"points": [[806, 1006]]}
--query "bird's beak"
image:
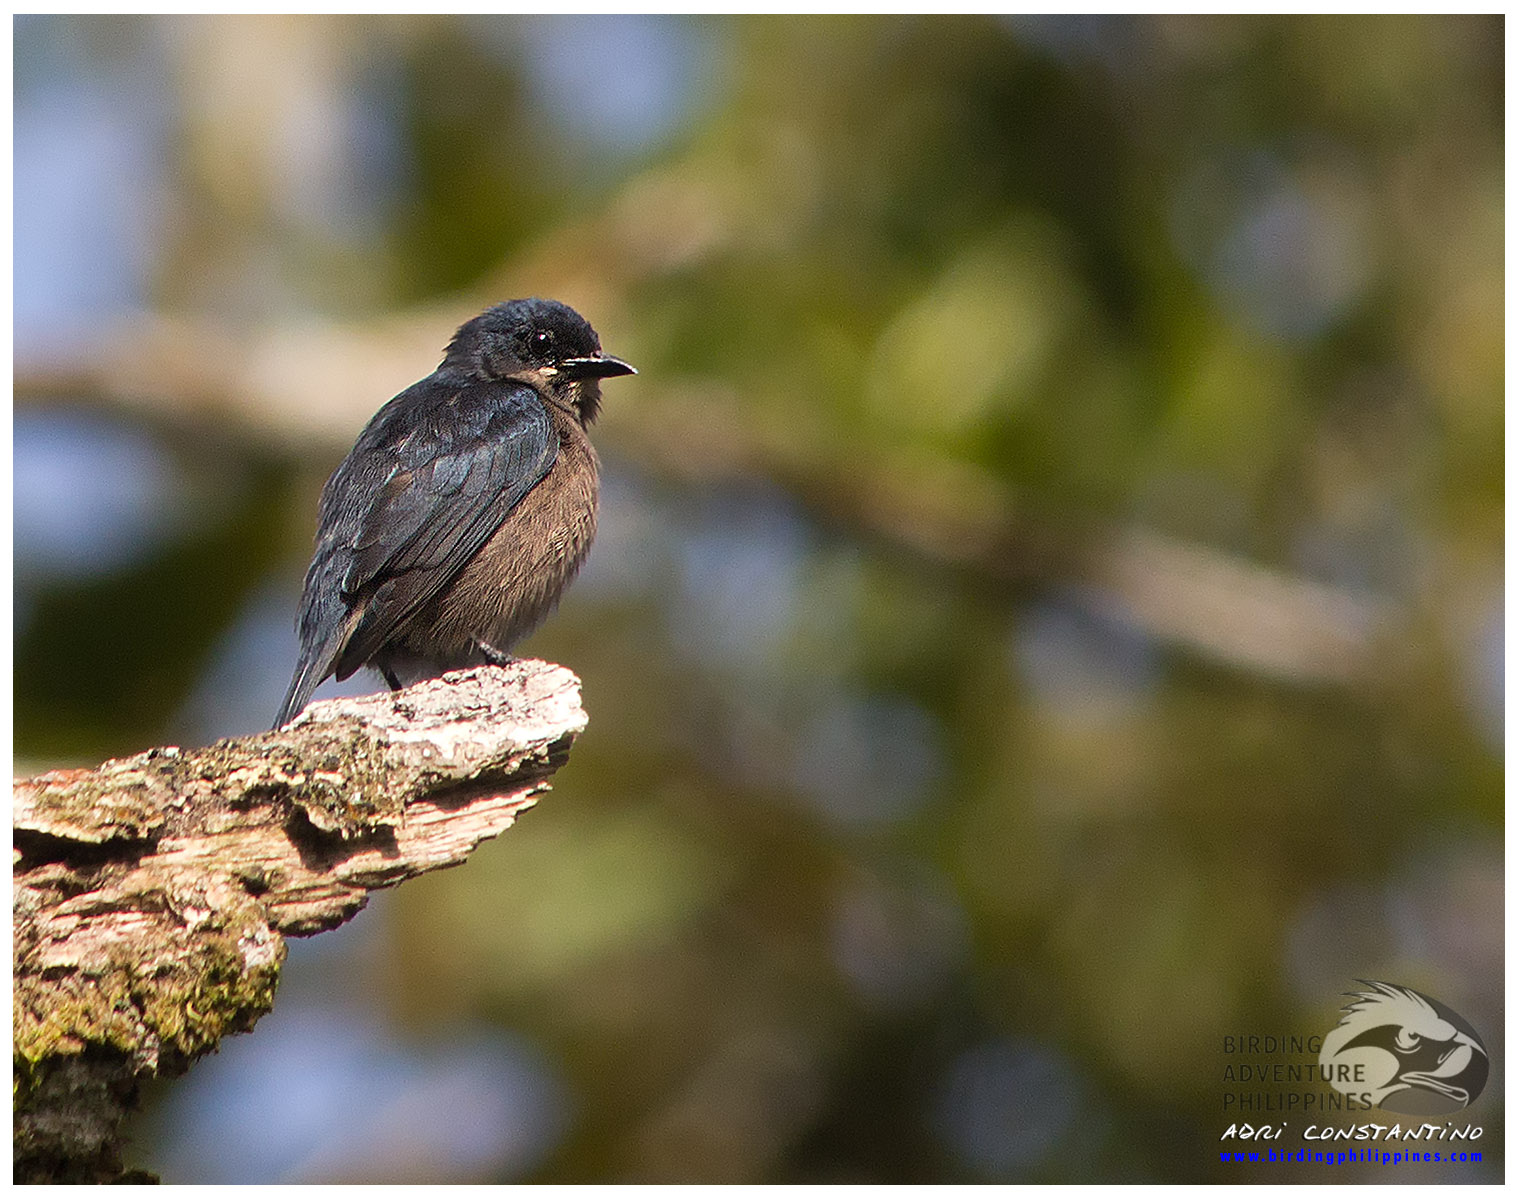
{"points": [[600, 366]]}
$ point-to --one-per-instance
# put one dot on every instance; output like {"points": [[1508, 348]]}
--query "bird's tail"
{"points": [[322, 633], [310, 673]]}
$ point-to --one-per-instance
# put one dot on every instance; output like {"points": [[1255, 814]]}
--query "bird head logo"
{"points": [[1414, 1055]]}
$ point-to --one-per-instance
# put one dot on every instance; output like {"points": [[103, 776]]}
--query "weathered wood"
{"points": [[153, 893]]}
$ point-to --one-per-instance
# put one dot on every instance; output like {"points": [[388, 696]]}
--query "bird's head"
{"points": [[541, 343]]}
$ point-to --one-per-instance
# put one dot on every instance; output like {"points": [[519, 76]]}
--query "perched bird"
{"points": [[465, 508]]}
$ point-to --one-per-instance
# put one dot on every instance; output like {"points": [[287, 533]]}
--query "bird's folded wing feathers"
{"points": [[405, 535]]}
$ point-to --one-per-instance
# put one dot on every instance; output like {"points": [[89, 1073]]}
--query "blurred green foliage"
{"points": [[870, 868]]}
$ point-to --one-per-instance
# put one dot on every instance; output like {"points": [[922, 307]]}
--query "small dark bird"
{"points": [[465, 508]]}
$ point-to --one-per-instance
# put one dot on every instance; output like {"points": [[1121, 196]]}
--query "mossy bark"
{"points": [[153, 894]]}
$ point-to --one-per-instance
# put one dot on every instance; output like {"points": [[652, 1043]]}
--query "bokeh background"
{"points": [[1048, 614]]}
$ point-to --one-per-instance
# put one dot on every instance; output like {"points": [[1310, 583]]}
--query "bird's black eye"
{"points": [[542, 339]]}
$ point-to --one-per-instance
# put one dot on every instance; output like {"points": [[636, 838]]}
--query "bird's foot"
{"points": [[495, 658]]}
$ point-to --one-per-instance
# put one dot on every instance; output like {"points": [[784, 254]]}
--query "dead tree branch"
{"points": [[153, 893]]}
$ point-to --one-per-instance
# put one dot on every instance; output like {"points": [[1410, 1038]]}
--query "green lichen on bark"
{"points": [[153, 894]]}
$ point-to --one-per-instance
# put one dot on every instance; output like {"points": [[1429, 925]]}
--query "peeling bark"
{"points": [[153, 894]]}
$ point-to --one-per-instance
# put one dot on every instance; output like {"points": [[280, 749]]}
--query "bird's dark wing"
{"points": [[431, 478]]}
